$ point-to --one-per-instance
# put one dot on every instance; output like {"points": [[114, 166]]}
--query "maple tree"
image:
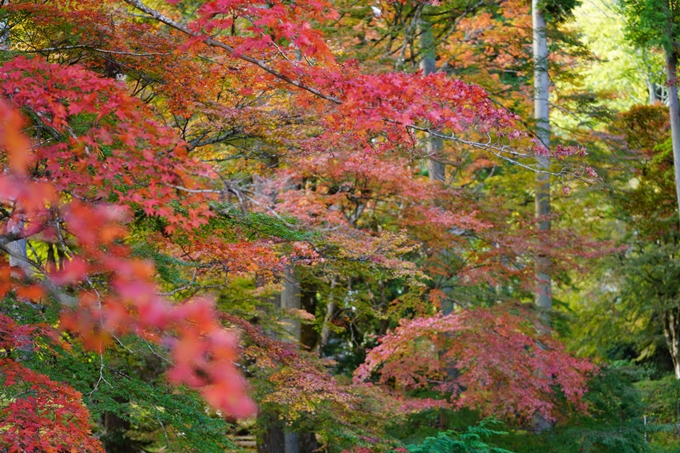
{"points": [[500, 385], [42, 412], [88, 236]]}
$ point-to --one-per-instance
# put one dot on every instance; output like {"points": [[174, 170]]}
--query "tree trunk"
{"points": [[331, 306], [435, 144], [290, 299], [18, 249], [651, 90], [273, 440], [4, 30], [543, 294], [309, 337], [671, 76], [671, 330], [277, 438]]}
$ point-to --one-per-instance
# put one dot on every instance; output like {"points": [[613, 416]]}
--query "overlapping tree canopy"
{"points": [[157, 155]]}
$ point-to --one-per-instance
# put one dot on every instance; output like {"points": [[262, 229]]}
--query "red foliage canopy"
{"points": [[495, 360]]}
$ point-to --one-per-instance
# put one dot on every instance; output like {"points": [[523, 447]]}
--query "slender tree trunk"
{"points": [[671, 330], [331, 306], [309, 337], [277, 438], [18, 249], [435, 144], [290, 299], [4, 30], [435, 147], [273, 440], [19, 260], [651, 90], [543, 295], [672, 77]]}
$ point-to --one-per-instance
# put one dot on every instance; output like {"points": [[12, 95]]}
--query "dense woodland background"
{"points": [[365, 226]]}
